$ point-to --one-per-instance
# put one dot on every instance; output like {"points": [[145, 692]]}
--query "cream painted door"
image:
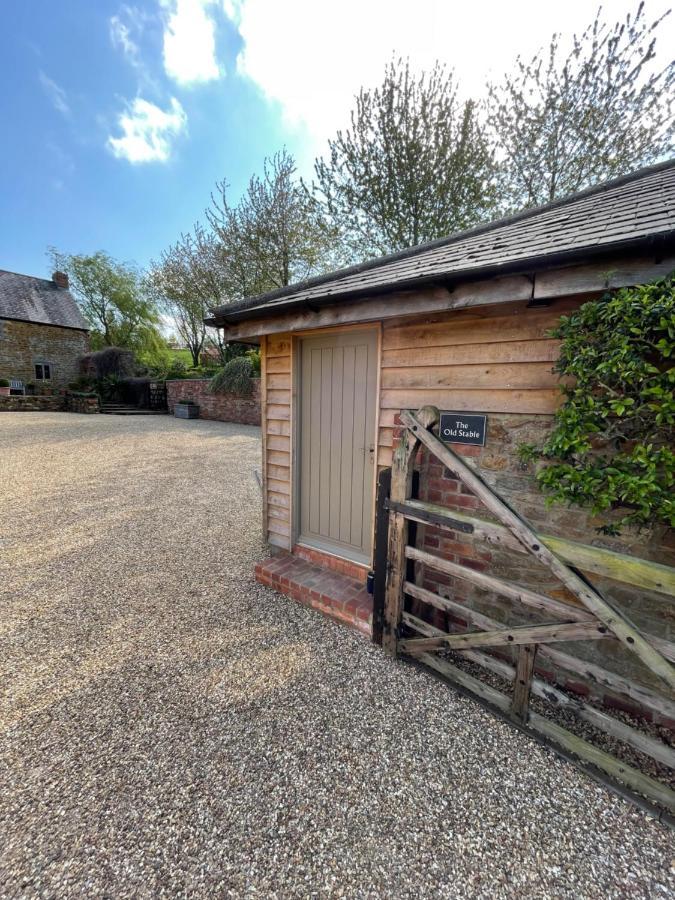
{"points": [[338, 387]]}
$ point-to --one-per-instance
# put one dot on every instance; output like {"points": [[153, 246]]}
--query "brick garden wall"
{"points": [[22, 344], [499, 465], [222, 407]]}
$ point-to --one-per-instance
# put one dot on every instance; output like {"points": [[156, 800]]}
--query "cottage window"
{"points": [[43, 371]]}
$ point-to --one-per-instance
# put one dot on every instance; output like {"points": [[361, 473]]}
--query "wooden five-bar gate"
{"points": [[401, 628]]}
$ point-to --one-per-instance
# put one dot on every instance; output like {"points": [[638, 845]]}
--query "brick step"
{"points": [[341, 598]]}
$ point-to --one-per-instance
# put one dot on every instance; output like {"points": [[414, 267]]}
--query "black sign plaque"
{"points": [[463, 428]]}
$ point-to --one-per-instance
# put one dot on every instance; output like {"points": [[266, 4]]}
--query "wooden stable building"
{"points": [[462, 325]]}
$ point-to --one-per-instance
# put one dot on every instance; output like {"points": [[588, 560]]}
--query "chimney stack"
{"points": [[60, 279]]}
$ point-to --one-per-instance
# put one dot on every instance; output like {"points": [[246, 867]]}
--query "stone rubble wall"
{"points": [[50, 403], [38, 403], [23, 344]]}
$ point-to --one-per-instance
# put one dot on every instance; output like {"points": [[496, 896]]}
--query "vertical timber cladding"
{"points": [[337, 381], [493, 360], [276, 403]]}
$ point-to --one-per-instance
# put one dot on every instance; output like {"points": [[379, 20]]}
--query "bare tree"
{"points": [[563, 124]]}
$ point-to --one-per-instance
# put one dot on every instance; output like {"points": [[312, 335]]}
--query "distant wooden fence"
{"points": [[402, 630]]}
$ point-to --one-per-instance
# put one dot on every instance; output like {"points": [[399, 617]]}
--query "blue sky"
{"points": [[65, 85], [119, 116]]}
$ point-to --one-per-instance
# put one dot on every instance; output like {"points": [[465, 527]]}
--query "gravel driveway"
{"points": [[171, 729]]}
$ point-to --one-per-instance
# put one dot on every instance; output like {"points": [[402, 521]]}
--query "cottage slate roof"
{"points": [[38, 300], [628, 212]]}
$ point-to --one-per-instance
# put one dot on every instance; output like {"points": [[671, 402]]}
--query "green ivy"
{"points": [[612, 445]]}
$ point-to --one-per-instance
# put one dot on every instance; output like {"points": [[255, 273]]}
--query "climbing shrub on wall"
{"points": [[612, 444]]}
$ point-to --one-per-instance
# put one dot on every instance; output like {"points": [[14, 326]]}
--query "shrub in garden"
{"points": [[86, 383], [612, 445], [236, 377], [254, 356], [109, 361]]}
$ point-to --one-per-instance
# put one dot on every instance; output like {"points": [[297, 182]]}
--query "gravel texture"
{"points": [[171, 729]]}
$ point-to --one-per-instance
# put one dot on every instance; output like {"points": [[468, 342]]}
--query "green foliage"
{"points": [[183, 357], [4, 382], [236, 377], [114, 299], [254, 356], [226, 350], [155, 356], [83, 383], [108, 387], [612, 445], [414, 165]]}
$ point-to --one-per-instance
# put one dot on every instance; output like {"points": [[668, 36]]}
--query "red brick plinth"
{"points": [[343, 599]]}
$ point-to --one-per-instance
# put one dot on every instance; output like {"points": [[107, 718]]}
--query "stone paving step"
{"points": [[341, 598], [119, 409]]}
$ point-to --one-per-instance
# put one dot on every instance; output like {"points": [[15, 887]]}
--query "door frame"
{"points": [[296, 339]]}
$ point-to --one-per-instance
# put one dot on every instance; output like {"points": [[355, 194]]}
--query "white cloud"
{"points": [[148, 132], [127, 28], [312, 56], [56, 94], [122, 32], [190, 42]]}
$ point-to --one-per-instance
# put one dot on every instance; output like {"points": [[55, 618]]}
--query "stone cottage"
{"points": [[42, 331]]}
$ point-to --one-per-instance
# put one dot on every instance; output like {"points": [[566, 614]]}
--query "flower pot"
{"points": [[4, 392]]}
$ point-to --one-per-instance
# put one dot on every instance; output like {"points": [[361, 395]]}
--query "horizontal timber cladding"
{"points": [[276, 351], [493, 359], [498, 359], [512, 322]]}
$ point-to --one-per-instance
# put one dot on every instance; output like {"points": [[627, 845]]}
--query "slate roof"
{"points": [[628, 212], [38, 300]]}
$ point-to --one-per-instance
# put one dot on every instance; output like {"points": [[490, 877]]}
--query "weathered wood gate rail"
{"points": [[596, 619]]}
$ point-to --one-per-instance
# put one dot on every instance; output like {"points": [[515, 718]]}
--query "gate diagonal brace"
{"points": [[616, 622]]}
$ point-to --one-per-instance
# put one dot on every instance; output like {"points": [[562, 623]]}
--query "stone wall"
{"points": [[23, 344], [50, 403], [222, 407], [80, 403], [44, 403], [500, 466]]}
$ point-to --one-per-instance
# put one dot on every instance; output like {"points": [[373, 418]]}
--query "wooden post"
{"points": [[381, 547], [401, 486], [401, 489], [520, 703]]}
